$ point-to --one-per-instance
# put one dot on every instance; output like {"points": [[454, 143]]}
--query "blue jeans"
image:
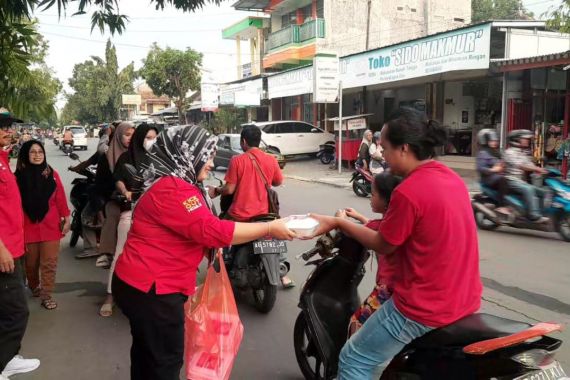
{"points": [[529, 193], [367, 353]]}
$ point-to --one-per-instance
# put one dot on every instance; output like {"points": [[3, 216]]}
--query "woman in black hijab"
{"points": [[173, 228], [129, 185], [46, 219]]}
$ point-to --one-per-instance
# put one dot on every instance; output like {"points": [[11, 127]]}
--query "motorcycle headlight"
{"points": [[536, 358]]}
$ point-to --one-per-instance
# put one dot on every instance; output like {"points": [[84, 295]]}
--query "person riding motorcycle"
{"points": [[67, 136], [377, 162], [490, 166], [243, 181], [518, 164]]}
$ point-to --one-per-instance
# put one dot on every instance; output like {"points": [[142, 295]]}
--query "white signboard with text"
{"points": [[209, 93], [464, 49], [246, 93], [325, 79], [131, 100], [290, 83]]}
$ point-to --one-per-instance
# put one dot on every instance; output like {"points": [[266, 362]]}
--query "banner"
{"points": [[325, 79], [209, 93], [290, 83], [243, 94]]}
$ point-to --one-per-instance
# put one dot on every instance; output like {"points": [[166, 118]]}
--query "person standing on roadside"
{"points": [[46, 219], [13, 304]]}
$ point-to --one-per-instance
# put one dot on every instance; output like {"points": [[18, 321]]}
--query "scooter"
{"points": [[361, 181], [85, 208], [67, 147], [326, 153], [555, 205], [477, 347], [262, 266]]}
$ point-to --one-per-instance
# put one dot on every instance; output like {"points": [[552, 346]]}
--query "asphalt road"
{"points": [[526, 277]]}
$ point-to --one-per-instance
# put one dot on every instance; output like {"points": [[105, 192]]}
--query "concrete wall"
{"points": [[527, 43], [455, 104], [390, 22]]}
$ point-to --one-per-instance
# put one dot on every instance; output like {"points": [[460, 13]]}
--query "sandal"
{"points": [[49, 304], [287, 283], [106, 310], [104, 261], [36, 292]]}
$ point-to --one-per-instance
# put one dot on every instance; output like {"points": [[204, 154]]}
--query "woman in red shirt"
{"points": [[173, 228], [46, 219], [430, 226]]}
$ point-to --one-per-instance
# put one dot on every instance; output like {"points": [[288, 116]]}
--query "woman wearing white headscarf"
{"points": [[364, 150], [173, 227]]}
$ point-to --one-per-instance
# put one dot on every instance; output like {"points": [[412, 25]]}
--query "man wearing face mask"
{"points": [[128, 184]]}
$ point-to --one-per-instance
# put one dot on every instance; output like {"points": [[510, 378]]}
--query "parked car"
{"points": [[79, 136], [291, 137], [229, 146]]}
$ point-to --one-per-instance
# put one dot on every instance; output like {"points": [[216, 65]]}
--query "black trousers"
{"points": [[157, 328], [13, 313]]}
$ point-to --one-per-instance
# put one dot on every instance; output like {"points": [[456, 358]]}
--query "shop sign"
{"points": [[209, 93], [325, 79], [465, 49], [131, 100], [290, 83], [242, 94]]}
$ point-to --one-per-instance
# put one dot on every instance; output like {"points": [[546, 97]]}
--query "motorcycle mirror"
{"points": [[74, 156]]}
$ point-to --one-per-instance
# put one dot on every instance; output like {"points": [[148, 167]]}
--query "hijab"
{"points": [[364, 140], [36, 183], [180, 151], [116, 147], [137, 151]]}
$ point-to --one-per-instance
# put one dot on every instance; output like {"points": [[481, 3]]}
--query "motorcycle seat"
{"points": [[468, 330]]}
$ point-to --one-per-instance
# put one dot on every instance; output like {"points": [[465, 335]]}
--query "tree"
{"points": [[484, 10], [105, 12], [559, 18], [173, 73], [98, 85]]}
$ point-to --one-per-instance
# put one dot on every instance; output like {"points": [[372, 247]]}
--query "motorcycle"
{"points": [[67, 147], [84, 207], [555, 205], [326, 153], [361, 181], [479, 346], [264, 265]]}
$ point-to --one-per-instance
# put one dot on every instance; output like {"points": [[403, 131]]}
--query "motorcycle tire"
{"points": [[74, 238], [265, 297], [483, 222], [358, 186], [306, 351], [326, 159], [563, 226]]}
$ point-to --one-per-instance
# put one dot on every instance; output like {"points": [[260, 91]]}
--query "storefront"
{"points": [[541, 104]]}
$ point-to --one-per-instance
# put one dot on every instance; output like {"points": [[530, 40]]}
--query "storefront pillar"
{"points": [[566, 128]]}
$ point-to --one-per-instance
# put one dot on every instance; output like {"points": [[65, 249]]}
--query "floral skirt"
{"points": [[380, 294]]}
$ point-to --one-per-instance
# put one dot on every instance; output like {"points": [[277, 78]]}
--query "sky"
{"points": [[71, 40]]}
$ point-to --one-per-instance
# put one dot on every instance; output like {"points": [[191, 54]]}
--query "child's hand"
{"points": [[340, 213], [352, 213]]}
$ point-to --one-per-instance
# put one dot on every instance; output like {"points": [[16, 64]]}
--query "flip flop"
{"points": [[86, 254], [106, 310], [49, 304], [288, 285]]}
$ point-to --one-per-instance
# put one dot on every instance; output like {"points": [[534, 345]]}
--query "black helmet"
{"points": [[486, 135], [517, 135]]}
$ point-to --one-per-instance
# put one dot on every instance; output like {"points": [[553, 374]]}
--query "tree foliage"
{"points": [[559, 17], [173, 73], [27, 86], [98, 85], [484, 10], [105, 13]]}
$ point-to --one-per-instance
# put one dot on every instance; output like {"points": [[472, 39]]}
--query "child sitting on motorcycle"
{"points": [[382, 187]]}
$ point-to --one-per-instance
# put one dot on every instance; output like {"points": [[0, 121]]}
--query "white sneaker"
{"points": [[20, 365]]}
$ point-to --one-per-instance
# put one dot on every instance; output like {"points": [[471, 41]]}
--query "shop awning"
{"points": [[517, 64], [251, 5]]}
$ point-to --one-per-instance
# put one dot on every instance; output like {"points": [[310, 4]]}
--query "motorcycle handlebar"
{"points": [[306, 256]]}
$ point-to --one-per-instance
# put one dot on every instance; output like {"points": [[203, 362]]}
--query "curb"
{"points": [[337, 185]]}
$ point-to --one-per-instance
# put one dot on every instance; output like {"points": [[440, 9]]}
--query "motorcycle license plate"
{"points": [[269, 246], [551, 372]]}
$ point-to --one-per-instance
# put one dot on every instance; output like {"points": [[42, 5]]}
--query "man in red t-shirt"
{"points": [[13, 304], [244, 181]]}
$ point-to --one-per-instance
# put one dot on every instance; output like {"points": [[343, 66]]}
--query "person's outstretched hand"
{"points": [[326, 224], [278, 230]]}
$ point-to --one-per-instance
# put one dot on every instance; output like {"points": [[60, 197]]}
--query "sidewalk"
{"points": [[309, 169]]}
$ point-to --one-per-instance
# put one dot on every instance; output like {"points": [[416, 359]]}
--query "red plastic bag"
{"points": [[213, 328]]}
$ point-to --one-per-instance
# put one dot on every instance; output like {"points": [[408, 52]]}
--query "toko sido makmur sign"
{"points": [[463, 49]]}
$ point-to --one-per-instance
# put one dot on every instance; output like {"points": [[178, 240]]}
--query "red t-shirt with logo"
{"points": [[250, 197], [172, 228], [11, 212], [387, 265], [431, 220]]}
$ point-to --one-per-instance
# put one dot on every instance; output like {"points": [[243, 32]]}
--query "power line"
{"points": [[181, 16], [135, 31]]}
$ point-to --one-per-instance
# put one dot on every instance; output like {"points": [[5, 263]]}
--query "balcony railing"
{"points": [[312, 29], [283, 37]]}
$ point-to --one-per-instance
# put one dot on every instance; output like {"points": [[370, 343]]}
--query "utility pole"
{"points": [[367, 47]]}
